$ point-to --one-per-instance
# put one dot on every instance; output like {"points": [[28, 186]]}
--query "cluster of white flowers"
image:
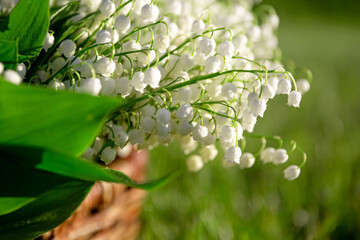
{"points": [[188, 73]]}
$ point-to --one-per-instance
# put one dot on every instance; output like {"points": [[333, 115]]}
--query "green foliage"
{"points": [[28, 23], [9, 53], [62, 121]]}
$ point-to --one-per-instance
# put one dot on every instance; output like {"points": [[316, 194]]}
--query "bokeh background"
{"points": [[258, 203]]}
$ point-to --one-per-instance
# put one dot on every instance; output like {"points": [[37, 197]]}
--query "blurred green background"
{"points": [[258, 203]]}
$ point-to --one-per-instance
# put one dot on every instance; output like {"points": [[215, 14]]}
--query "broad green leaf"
{"points": [[63, 121], [28, 22], [19, 186], [45, 213], [66, 165], [51, 200], [9, 53], [39, 189]]}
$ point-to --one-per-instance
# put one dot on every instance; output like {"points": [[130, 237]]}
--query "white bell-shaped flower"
{"points": [[105, 66], [292, 172], [21, 70], [150, 12], [185, 112], [123, 86], [147, 124], [147, 110], [227, 133], [199, 132], [212, 64], [90, 86], [163, 115], [161, 42], [267, 92], [107, 86], [303, 85], [208, 153], [294, 99], [136, 136], [122, 23], [138, 82], [107, 7], [152, 77], [228, 90], [226, 49], [108, 155], [267, 155], [49, 41], [284, 86], [103, 36], [184, 128], [233, 154], [56, 85], [67, 48], [194, 163], [207, 45], [247, 160], [240, 42], [198, 26], [280, 156]]}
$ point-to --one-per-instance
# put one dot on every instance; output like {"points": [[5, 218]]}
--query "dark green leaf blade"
{"points": [[9, 53], [45, 213], [63, 121], [28, 22], [69, 166]]}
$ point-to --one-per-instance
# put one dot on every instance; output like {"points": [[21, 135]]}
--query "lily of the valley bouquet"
{"points": [[83, 81]]}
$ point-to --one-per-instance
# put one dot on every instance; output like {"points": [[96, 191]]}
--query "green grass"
{"points": [[258, 203]]}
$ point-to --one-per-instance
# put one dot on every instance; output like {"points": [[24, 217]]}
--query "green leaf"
{"points": [[63, 121], [39, 189], [51, 200], [9, 53], [28, 22], [45, 213], [66, 165]]}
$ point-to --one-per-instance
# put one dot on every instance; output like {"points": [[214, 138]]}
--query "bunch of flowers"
{"points": [[187, 71]]}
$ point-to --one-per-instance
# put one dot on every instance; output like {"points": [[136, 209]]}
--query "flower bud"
{"points": [[107, 7], [280, 156], [122, 23], [90, 86], [163, 115], [207, 45], [103, 36], [194, 163], [208, 153], [198, 26], [267, 155], [161, 42], [247, 160], [303, 85], [226, 49], [108, 155], [185, 112], [150, 12], [152, 77], [292, 172], [67, 47], [49, 41], [212, 64], [136, 136], [12, 76], [233, 154]]}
